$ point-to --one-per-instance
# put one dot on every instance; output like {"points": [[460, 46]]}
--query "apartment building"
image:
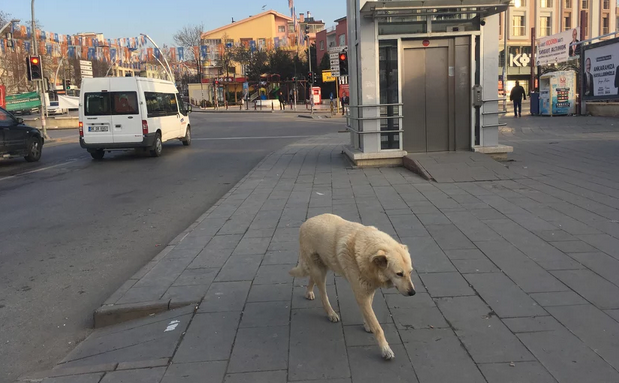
{"points": [[553, 16], [335, 36]]}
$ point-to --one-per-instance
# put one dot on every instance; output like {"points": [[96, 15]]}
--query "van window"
{"points": [[160, 104], [181, 105], [106, 103]]}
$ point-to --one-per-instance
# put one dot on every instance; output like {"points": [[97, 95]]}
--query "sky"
{"points": [[157, 18]]}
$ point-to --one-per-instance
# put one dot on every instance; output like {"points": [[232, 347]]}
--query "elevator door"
{"points": [[435, 94]]}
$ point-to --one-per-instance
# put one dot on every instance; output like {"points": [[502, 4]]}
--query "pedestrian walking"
{"points": [[282, 101], [517, 95]]}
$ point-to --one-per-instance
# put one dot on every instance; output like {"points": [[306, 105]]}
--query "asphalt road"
{"points": [[73, 229]]}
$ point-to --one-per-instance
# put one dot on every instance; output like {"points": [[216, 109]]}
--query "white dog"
{"points": [[368, 258]]}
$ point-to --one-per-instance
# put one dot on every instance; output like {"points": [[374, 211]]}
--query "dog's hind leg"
{"points": [[370, 318], [309, 292], [319, 276]]}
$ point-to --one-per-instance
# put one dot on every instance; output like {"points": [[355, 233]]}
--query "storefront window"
{"points": [[389, 93]]}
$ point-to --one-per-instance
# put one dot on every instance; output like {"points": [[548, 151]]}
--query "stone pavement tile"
{"points": [[426, 255], [145, 375], [192, 277], [350, 313], [528, 275], [471, 226], [249, 246], [357, 336], [521, 372], [601, 263], [559, 298], [164, 273], [554, 235], [258, 377], [407, 225], [256, 231], [260, 349], [534, 247], [85, 378], [292, 245], [465, 254], [596, 329], [184, 294], [415, 312], [367, 365], [300, 302], [284, 234], [449, 237], [209, 337], [269, 274], [280, 257], [604, 242], [613, 314], [433, 219], [487, 213], [533, 324], [446, 284], [195, 372], [270, 293], [143, 294], [317, 348], [567, 358], [565, 222], [315, 211], [161, 318], [592, 287], [438, 357], [211, 258], [485, 337], [263, 314], [132, 344], [503, 296], [240, 268], [482, 265], [574, 247], [225, 296]]}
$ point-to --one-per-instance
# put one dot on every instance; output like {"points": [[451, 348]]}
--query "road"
{"points": [[73, 229]]}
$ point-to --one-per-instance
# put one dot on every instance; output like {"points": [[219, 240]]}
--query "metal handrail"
{"points": [[374, 132], [373, 105]]}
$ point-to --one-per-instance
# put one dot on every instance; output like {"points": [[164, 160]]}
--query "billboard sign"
{"points": [[558, 48], [23, 101], [599, 65]]}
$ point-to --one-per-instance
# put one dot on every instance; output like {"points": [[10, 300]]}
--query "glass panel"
{"points": [[97, 104], [389, 93], [125, 103]]}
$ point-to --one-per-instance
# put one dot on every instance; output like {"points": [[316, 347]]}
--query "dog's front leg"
{"points": [[369, 317], [366, 326]]}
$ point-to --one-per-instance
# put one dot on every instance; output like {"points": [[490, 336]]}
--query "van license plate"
{"points": [[97, 128]]}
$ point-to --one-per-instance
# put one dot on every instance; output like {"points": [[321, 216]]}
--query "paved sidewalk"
{"points": [[517, 280]]}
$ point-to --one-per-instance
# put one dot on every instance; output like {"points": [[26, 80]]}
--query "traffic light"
{"points": [[310, 77], [343, 63], [33, 65]]}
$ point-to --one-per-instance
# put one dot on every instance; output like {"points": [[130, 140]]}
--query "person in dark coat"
{"points": [[517, 95]]}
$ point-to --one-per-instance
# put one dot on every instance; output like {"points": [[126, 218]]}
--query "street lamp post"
{"points": [[40, 86]]}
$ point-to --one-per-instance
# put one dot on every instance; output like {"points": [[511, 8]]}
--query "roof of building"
{"points": [[250, 18]]}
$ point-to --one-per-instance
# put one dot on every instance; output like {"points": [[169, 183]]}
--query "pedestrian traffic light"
{"points": [[33, 65], [343, 63], [310, 77]]}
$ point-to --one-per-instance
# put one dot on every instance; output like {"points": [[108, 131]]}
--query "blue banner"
{"points": [[180, 52], [48, 48], [252, 45], [276, 42], [71, 52], [113, 54], [203, 52], [91, 53], [157, 53], [56, 37]]}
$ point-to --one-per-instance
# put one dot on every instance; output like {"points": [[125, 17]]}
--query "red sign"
{"points": [[224, 80], [425, 43], [2, 96]]}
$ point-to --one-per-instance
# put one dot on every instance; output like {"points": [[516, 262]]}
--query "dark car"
{"points": [[17, 139]]}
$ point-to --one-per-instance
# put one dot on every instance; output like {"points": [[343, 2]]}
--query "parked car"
{"points": [[17, 139]]}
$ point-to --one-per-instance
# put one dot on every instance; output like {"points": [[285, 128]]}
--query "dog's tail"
{"points": [[299, 271]]}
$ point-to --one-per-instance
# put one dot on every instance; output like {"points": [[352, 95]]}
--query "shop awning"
{"points": [[438, 8]]}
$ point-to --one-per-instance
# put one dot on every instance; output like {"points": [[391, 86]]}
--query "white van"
{"points": [[131, 112]]}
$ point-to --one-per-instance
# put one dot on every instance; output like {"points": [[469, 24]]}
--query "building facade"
{"points": [[553, 16], [336, 36]]}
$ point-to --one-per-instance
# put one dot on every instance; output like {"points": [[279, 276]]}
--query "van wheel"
{"points": [[157, 147], [187, 140], [34, 150], [97, 154]]}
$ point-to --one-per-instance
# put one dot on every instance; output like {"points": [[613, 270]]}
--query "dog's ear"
{"points": [[380, 259], [404, 246]]}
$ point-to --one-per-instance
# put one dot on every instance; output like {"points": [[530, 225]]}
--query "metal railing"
{"points": [[360, 132]]}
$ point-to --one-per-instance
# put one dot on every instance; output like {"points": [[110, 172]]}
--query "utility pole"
{"points": [[309, 60], [40, 86]]}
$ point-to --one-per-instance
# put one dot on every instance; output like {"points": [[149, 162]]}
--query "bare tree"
{"points": [[4, 18], [188, 37]]}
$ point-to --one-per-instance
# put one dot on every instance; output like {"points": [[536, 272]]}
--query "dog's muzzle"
{"points": [[411, 292]]}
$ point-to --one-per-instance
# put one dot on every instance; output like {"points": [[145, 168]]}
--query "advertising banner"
{"points": [[600, 70], [23, 101], [558, 48]]}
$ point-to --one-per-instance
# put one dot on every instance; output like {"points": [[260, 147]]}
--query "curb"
{"points": [[112, 313], [416, 168]]}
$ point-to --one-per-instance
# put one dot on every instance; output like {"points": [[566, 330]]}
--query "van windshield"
{"points": [[110, 103]]}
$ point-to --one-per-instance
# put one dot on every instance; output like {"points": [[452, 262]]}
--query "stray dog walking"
{"points": [[368, 258]]}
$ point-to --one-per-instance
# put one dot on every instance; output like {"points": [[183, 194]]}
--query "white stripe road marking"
{"points": [[36, 170], [246, 138]]}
